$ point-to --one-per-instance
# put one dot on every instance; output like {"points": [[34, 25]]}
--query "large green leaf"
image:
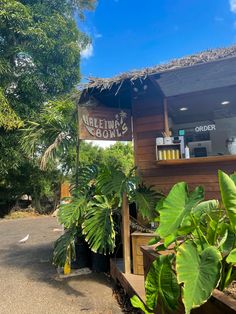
{"points": [[228, 194], [146, 199], [227, 239], [73, 212], [62, 246], [138, 304], [176, 208], [87, 178], [98, 226], [231, 258], [161, 282], [112, 181], [198, 272], [205, 208]]}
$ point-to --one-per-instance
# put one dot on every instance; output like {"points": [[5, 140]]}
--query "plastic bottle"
{"points": [[160, 155], [187, 152]]}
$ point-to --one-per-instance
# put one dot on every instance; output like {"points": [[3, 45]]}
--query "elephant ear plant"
{"points": [[203, 254], [94, 209]]}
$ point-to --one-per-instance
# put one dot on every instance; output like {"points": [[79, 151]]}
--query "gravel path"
{"points": [[28, 281]]}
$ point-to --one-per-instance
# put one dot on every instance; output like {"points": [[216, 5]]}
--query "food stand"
{"points": [[183, 124], [189, 102]]}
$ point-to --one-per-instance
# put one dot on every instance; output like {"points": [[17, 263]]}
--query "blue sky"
{"points": [[131, 34]]}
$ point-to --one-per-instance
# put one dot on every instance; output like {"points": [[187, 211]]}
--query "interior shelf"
{"points": [[196, 160]]}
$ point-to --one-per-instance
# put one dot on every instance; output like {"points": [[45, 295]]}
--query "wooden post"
{"points": [[166, 123], [77, 150], [126, 234]]}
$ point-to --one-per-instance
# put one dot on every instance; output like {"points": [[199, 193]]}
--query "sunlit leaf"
{"points": [[199, 273]]}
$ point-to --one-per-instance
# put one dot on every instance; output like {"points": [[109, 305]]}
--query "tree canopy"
{"points": [[40, 46], [39, 51]]}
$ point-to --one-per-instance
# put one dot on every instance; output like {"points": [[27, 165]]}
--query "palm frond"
{"points": [[98, 226], [52, 148]]}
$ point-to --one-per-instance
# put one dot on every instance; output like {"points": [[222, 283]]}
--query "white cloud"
{"points": [[232, 5], [87, 52]]}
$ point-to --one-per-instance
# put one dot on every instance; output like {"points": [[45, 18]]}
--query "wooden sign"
{"points": [[103, 123]]}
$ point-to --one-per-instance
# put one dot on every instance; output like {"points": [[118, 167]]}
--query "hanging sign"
{"points": [[103, 123]]}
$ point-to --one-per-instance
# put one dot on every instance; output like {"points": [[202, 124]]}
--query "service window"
{"points": [[208, 123]]}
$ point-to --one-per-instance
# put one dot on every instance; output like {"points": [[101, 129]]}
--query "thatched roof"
{"points": [[199, 58]]}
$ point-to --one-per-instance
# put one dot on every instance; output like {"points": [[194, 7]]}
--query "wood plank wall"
{"points": [[148, 123]]}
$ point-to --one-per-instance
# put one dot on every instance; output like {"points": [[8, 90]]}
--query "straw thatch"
{"points": [[199, 58]]}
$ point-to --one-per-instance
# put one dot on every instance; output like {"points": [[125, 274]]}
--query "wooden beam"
{"points": [[126, 234], [166, 122]]}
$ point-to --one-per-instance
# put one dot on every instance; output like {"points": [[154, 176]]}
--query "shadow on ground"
{"points": [[36, 263]]}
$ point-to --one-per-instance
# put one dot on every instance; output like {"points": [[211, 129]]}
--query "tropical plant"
{"points": [[95, 206], [203, 237]]}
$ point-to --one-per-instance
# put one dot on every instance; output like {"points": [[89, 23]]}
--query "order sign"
{"points": [[102, 123]]}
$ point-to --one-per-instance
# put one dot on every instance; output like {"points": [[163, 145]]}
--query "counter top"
{"points": [[196, 160]]}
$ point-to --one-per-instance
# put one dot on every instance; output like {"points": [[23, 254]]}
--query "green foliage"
{"points": [[176, 209], [112, 181], [98, 226], [40, 48], [199, 273], [8, 118], [72, 212], [205, 247], [228, 193], [146, 199], [95, 206], [39, 65], [161, 282], [64, 245], [137, 303], [52, 132], [114, 155]]}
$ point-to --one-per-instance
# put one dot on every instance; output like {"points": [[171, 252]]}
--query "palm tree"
{"points": [[52, 132]]}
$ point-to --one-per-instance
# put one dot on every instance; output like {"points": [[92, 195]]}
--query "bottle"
{"points": [[177, 154], [187, 152], [173, 154], [168, 154], [164, 154], [160, 155]]}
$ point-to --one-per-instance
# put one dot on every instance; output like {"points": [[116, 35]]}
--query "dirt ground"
{"points": [[29, 283]]}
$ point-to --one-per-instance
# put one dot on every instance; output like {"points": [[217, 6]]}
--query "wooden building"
{"points": [[194, 98]]}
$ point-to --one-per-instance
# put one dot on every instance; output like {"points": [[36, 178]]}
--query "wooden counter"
{"points": [[196, 160]]}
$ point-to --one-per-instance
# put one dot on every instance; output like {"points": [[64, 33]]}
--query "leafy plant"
{"points": [[98, 226], [64, 246], [95, 206], [203, 254]]}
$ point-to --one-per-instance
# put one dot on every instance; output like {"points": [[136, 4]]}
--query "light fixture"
{"points": [[135, 89], [225, 102], [183, 109]]}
